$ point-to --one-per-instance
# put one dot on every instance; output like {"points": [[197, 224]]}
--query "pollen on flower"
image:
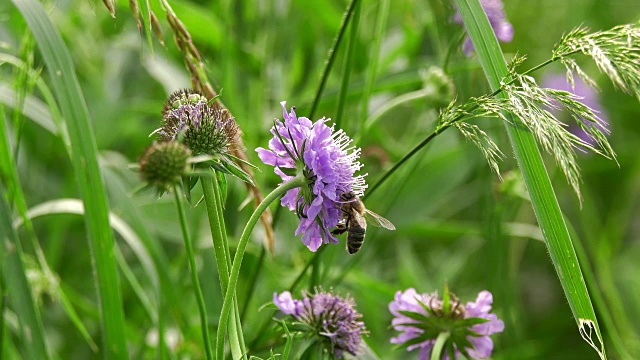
{"points": [[329, 162]]}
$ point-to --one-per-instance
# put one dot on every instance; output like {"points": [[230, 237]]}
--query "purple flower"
{"points": [[587, 95], [498, 20], [409, 306], [328, 162], [328, 316]]}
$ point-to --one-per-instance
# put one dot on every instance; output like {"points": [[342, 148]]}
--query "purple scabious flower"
{"points": [[588, 96], [327, 316], [498, 20], [469, 325], [322, 155]]}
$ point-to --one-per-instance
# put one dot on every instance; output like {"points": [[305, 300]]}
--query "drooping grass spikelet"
{"points": [[616, 52], [482, 141], [155, 25]]}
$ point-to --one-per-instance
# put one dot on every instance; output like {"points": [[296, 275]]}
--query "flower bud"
{"points": [[164, 163]]}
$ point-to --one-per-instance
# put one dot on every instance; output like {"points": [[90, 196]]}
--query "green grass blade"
{"points": [[85, 163], [543, 199], [18, 287]]}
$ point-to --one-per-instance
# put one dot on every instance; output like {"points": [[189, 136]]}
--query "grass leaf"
{"points": [[543, 199], [85, 163]]}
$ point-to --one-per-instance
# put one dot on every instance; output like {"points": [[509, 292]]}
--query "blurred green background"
{"points": [[457, 222]]}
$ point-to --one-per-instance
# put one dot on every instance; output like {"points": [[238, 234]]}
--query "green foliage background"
{"points": [[456, 221]]}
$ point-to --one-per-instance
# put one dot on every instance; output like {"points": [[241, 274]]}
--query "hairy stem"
{"points": [[213, 204], [237, 260], [194, 273]]}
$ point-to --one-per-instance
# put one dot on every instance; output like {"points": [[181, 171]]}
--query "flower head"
{"points": [[207, 129], [164, 163], [300, 147], [587, 95], [327, 316], [469, 325], [498, 20]]}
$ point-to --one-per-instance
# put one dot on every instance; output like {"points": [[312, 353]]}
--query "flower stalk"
{"points": [[213, 202], [194, 273], [296, 182]]}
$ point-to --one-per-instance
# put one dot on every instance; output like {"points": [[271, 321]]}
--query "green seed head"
{"points": [[164, 163], [214, 134]]}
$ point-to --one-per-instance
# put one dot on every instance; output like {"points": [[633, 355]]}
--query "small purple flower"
{"points": [[409, 306], [328, 162], [328, 316], [588, 96], [498, 20]]}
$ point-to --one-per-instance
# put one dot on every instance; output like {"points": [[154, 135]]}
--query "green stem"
{"points": [[194, 273], [441, 129], [348, 66], [213, 201], [436, 352], [332, 56], [236, 335], [237, 261]]}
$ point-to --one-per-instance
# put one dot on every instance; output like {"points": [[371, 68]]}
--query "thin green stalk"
{"points": [[194, 273], [237, 260], [441, 129], [213, 203], [236, 335], [404, 159], [543, 199], [332, 56], [381, 24], [348, 67]]}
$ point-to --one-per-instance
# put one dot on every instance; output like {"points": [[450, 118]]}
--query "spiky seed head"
{"points": [[207, 129], [164, 163], [214, 134]]}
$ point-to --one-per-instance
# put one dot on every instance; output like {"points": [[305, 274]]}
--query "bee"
{"points": [[353, 220]]}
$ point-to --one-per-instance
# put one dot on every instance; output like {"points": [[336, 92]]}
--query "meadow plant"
{"points": [[318, 165], [425, 320], [326, 160], [327, 319]]}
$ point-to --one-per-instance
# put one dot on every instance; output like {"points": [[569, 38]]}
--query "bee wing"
{"points": [[378, 220]]}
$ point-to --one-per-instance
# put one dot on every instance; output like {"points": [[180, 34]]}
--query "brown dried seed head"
{"points": [[157, 29], [135, 10], [110, 7]]}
